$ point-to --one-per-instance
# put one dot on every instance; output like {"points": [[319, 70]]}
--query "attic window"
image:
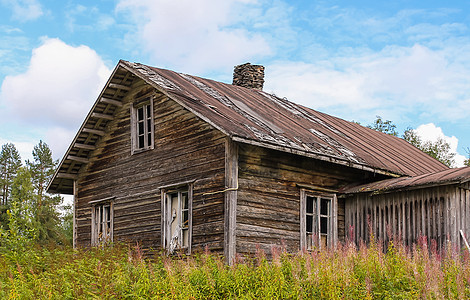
{"points": [[142, 129]]}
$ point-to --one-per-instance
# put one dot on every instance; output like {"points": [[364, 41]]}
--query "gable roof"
{"points": [[249, 116], [445, 177]]}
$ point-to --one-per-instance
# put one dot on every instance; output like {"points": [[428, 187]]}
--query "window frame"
{"points": [[147, 121], [167, 217], [97, 222], [317, 215]]}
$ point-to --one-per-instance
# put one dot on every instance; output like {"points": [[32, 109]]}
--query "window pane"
{"points": [[309, 223], [141, 141], [310, 201], [148, 110], [325, 207], [174, 211], [140, 114], [108, 213], [185, 221], [100, 208], [140, 129], [323, 225], [309, 241], [184, 197], [185, 238], [323, 241], [174, 201]]}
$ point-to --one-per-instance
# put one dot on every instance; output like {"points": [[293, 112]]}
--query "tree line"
{"points": [[439, 149], [26, 210]]}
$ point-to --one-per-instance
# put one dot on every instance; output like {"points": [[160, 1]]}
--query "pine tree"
{"points": [[23, 196], [10, 162], [42, 168], [46, 215]]}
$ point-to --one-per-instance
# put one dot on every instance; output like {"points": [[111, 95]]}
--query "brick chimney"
{"points": [[249, 76]]}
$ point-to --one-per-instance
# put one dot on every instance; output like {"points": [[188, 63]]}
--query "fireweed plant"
{"points": [[347, 272]]}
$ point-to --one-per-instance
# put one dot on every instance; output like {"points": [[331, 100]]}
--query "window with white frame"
{"points": [[177, 218], [318, 220], [142, 125], [102, 223]]}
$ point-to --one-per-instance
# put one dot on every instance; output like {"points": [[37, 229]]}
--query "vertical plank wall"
{"points": [[186, 149], [435, 214]]}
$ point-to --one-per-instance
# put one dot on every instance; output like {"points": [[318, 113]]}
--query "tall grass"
{"points": [[348, 272]]}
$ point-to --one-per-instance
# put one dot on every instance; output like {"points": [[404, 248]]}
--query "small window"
{"points": [[102, 224], [176, 229], [142, 126], [318, 226]]}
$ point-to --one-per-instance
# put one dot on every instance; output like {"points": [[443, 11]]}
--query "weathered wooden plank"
{"points": [[119, 86], [102, 116], [79, 159], [84, 146], [67, 175], [111, 101], [94, 131], [423, 214], [467, 212]]}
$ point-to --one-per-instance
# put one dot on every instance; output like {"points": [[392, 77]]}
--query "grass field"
{"points": [[121, 272]]}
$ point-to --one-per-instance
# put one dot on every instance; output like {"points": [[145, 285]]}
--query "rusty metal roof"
{"points": [[253, 117], [449, 176], [257, 117]]}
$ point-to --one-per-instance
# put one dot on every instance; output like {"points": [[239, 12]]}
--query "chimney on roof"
{"points": [[249, 76]]}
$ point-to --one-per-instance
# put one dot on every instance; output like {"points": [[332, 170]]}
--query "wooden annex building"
{"points": [[179, 162]]}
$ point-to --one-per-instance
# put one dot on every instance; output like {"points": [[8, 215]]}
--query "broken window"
{"points": [[102, 224], [142, 125], [177, 221], [318, 222]]}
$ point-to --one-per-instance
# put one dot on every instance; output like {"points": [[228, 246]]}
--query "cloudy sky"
{"points": [[407, 61]]}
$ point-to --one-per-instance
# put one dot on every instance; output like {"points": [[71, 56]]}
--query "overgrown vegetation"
{"points": [[26, 210], [121, 272]]}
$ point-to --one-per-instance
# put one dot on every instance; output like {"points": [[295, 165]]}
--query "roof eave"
{"points": [[64, 158], [326, 158]]}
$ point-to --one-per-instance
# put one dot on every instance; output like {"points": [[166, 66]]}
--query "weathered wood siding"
{"points": [[268, 207], [435, 214], [186, 149]]}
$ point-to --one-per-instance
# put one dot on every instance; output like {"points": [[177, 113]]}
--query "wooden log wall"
{"points": [[268, 204], [186, 149], [434, 214]]}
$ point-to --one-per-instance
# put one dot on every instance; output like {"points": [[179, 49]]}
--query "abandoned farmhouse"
{"points": [[175, 161]]}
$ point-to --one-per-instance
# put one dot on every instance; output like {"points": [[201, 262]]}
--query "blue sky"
{"points": [[407, 61]]}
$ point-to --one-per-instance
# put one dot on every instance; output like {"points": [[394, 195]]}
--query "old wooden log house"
{"points": [[176, 161]]}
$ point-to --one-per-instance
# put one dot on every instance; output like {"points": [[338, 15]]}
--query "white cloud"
{"points": [[430, 132], [396, 82], [195, 36], [59, 139], [59, 86], [24, 10]]}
